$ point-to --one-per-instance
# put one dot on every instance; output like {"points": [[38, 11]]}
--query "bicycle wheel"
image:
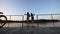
{"points": [[3, 20]]}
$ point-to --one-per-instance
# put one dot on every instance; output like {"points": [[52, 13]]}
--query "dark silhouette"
{"points": [[1, 12], [32, 16], [28, 15], [1, 21]]}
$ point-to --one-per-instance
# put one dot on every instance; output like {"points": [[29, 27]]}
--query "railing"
{"points": [[36, 17]]}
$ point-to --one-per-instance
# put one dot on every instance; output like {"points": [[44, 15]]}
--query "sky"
{"points": [[20, 7]]}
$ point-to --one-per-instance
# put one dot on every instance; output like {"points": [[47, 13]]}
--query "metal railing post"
{"points": [[9, 19], [52, 19], [22, 24], [37, 24]]}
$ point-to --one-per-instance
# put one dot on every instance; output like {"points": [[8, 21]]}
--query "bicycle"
{"points": [[3, 19]]}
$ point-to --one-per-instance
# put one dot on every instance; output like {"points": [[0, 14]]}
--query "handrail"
{"points": [[47, 14]]}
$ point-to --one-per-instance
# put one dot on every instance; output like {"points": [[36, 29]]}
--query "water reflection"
{"points": [[56, 24]]}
